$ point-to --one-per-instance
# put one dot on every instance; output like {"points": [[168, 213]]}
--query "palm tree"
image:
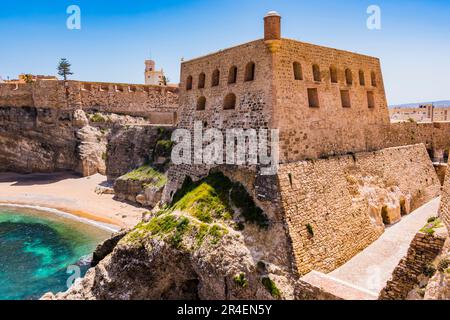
{"points": [[64, 68]]}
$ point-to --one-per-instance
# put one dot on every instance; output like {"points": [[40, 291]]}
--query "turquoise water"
{"points": [[36, 249]]}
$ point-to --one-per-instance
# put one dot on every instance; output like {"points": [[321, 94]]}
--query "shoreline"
{"points": [[68, 194], [84, 219]]}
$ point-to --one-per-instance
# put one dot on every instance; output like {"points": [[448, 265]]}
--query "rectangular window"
{"points": [[313, 98], [345, 99], [370, 99]]}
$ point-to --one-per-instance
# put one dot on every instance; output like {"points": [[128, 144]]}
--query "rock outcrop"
{"points": [[50, 140], [210, 243], [130, 147]]}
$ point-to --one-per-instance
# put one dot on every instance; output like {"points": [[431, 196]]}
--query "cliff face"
{"points": [[212, 242], [38, 140], [49, 140]]}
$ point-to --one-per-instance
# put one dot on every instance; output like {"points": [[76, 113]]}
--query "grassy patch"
{"points": [[175, 229], [206, 200], [241, 280], [146, 173], [430, 227], [98, 118], [271, 287], [214, 198]]}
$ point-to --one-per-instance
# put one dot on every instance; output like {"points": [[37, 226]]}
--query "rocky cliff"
{"points": [[212, 242], [49, 140]]}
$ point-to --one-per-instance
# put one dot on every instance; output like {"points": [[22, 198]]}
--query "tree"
{"points": [[165, 80], [64, 68]]}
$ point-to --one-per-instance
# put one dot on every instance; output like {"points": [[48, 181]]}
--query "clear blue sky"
{"points": [[117, 36]]}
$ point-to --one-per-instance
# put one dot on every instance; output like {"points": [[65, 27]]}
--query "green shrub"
{"points": [[443, 265], [98, 118], [310, 229], [240, 280], [430, 227], [271, 287], [429, 271]]}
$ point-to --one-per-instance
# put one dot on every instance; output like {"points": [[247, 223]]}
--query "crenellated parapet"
{"points": [[158, 102]]}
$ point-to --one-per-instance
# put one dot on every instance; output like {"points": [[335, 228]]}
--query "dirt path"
{"points": [[69, 193]]}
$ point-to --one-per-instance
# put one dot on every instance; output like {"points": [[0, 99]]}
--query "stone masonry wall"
{"points": [[341, 201], [329, 129], [155, 102], [423, 250], [444, 210]]}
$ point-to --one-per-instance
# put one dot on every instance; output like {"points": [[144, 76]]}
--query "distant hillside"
{"points": [[437, 104]]}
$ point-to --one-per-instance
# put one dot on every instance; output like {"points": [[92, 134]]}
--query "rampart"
{"points": [[157, 103], [336, 207]]}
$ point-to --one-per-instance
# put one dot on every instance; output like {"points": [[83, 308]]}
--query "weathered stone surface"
{"points": [[107, 247], [130, 147], [153, 269], [342, 200], [422, 252]]}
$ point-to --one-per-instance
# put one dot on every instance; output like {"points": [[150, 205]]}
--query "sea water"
{"points": [[37, 248]]}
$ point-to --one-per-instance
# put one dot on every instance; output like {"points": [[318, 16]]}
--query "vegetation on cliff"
{"points": [[147, 174], [216, 197], [201, 212]]}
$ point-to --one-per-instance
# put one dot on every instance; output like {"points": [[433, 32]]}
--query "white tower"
{"points": [[153, 76]]}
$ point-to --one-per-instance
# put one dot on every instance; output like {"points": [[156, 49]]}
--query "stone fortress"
{"points": [[422, 113], [329, 105], [346, 172]]}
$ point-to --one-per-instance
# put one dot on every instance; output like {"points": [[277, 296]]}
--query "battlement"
{"points": [[159, 102]]}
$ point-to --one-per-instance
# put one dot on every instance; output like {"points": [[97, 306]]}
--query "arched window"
{"points": [[373, 77], [201, 80], [348, 77], [215, 78], [232, 75], [230, 102], [316, 73], [362, 78], [298, 74], [250, 71], [189, 83], [333, 75], [201, 104]]}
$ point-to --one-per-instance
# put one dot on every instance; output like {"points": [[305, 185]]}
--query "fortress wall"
{"points": [[444, 211], [253, 98], [12, 95], [312, 132], [333, 196], [137, 100]]}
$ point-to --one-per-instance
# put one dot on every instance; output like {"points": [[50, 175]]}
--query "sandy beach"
{"points": [[69, 193]]}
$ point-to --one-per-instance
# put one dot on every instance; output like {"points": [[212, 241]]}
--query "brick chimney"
{"points": [[272, 26]]}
